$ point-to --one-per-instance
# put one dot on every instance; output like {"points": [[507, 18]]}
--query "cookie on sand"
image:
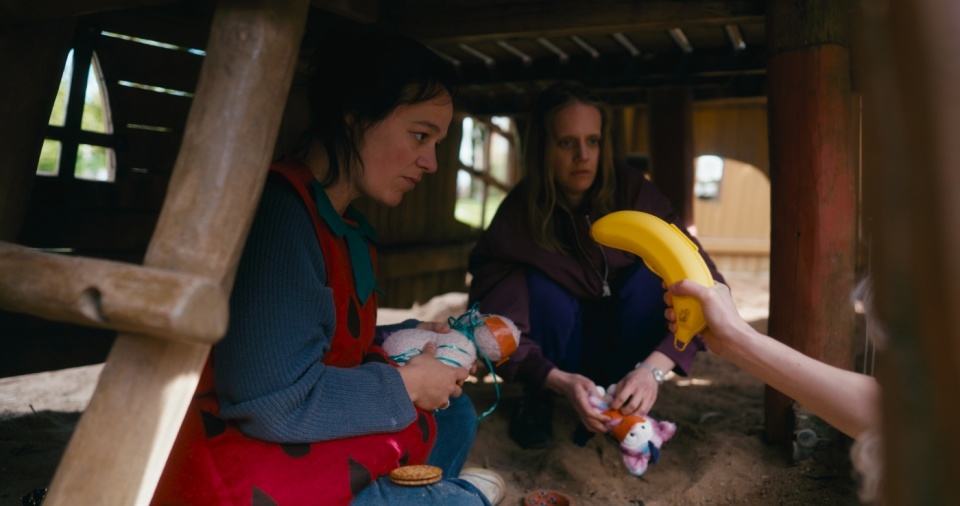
{"points": [[416, 475]]}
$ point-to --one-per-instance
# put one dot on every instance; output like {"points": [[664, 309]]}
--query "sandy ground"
{"points": [[717, 457]]}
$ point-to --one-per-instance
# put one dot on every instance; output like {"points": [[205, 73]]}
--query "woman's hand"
{"points": [[636, 393], [429, 382], [577, 389]]}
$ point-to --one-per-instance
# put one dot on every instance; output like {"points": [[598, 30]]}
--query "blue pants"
{"points": [[456, 430], [601, 339]]}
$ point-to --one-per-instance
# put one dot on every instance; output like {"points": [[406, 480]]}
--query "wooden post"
{"points": [[913, 91], [118, 451], [813, 190], [671, 147], [34, 55]]}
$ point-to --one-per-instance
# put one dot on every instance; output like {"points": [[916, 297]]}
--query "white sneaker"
{"points": [[490, 484]]}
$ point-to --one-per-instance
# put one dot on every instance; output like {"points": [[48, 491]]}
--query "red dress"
{"points": [[213, 463]]}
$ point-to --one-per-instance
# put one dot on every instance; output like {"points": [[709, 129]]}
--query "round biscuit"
{"points": [[416, 475]]}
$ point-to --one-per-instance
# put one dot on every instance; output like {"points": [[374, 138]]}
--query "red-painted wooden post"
{"points": [[813, 189]]}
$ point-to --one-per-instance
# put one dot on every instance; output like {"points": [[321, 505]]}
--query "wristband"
{"points": [[658, 374]]}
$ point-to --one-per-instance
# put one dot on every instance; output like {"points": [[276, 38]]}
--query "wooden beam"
{"points": [[111, 295], [442, 21], [119, 448], [30, 10]]}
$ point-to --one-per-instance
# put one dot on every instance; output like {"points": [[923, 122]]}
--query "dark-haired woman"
{"points": [[299, 405], [590, 315]]}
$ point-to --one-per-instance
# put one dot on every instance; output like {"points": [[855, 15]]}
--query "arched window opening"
{"points": [[81, 135], [735, 231], [709, 175], [80, 131]]}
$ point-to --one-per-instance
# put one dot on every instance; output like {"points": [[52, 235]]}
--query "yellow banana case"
{"points": [[668, 252]]}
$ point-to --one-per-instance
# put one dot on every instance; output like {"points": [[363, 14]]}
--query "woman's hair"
{"points": [[543, 198], [357, 79], [866, 454], [863, 295]]}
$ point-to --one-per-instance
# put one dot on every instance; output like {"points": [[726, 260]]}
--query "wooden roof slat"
{"points": [[623, 69], [126, 60], [152, 150], [150, 108], [170, 25], [435, 21]]}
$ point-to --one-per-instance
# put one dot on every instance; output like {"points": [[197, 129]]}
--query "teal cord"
{"points": [[466, 324], [405, 357]]}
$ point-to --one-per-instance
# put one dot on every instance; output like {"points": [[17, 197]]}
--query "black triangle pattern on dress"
{"points": [[424, 426], [360, 477], [353, 319], [212, 425], [260, 498], [296, 450]]}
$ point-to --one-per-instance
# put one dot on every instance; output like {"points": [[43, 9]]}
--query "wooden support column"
{"points": [[671, 147], [33, 55], [813, 190], [912, 90], [118, 451]]}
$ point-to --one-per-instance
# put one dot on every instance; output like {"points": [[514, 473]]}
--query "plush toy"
{"points": [[494, 337], [640, 437], [472, 335]]}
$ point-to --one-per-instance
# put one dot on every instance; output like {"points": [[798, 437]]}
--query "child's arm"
{"points": [[845, 399]]}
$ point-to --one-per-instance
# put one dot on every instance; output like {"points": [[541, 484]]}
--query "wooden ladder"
{"points": [[169, 311]]}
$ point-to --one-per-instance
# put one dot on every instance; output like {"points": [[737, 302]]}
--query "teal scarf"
{"points": [[357, 237]]}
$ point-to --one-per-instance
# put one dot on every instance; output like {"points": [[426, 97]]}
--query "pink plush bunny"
{"points": [[640, 437]]}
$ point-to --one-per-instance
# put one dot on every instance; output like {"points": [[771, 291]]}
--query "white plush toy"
{"points": [[496, 337]]}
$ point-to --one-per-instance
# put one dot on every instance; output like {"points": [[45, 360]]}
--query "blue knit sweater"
{"points": [[269, 375]]}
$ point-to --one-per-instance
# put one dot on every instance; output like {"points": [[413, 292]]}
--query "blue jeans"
{"points": [[456, 430], [601, 339]]}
